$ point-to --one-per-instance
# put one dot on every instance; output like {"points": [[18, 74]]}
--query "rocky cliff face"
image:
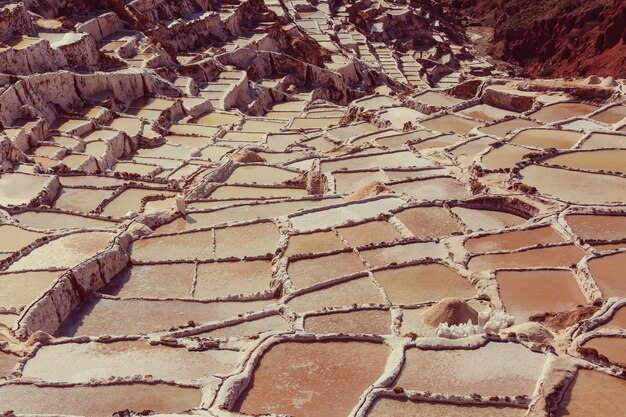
{"points": [[555, 37]]}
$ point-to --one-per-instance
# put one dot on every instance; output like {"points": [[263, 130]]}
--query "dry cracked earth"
{"points": [[293, 208]]}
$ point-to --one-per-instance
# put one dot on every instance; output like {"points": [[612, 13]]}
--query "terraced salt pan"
{"points": [[7, 363], [607, 273], [21, 289], [78, 363], [130, 200], [602, 140], [438, 142], [502, 129], [401, 159], [441, 188], [451, 124], [476, 219], [547, 138], [428, 222], [356, 291], [18, 189], [220, 279], [613, 160], [260, 174], [313, 379], [13, 238], [550, 257], [399, 116], [597, 227], [387, 407], [242, 191], [513, 240], [334, 216], [79, 400], [84, 200], [100, 316], [306, 272], [420, 283], [525, 293], [314, 243], [487, 113], [369, 233], [575, 187], [562, 111], [347, 182], [398, 140], [46, 220], [64, 252], [250, 327], [589, 394], [614, 348], [494, 369], [154, 281], [504, 157], [187, 246], [399, 253], [611, 115]]}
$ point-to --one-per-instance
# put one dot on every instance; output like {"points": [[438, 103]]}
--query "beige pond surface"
{"points": [[525, 293], [81, 362], [547, 138], [613, 160], [83, 200], [419, 283], [562, 111], [220, 279], [369, 233], [402, 253], [314, 243], [602, 140], [442, 188], [387, 407], [357, 322], [64, 252], [307, 272], [611, 115], [242, 191], [130, 200], [556, 256], [7, 363], [597, 227], [50, 220], [13, 238], [260, 174], [575, 187], [504, 128], [614, 348], [79, 400], [17, 188], [21, 289], [494, 369], [513, 240], [476, 219], [313, 379], [451, 124], [155, 281], [347, 293], [118, 317], [593, 393], [428, 222], [607, 271]]}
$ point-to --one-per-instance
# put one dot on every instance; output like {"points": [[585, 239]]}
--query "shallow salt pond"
{"points": [[313, 379], [347, 182], [46, 220], [7, 363], [551, 257], [13, 238], [79, 400], [356, 322], [21, 289], [17, 189], [387, 407], [513, 240], [576, 187], [402, 253], [185, 246], [593, 393], [257, 239], [220, 279], [607, 271], [428, 222], [250, 327], [260, 174], [441, 188], [420, 283], [494, 369], [347, 293], [307, 272], [597, 226], [602, 140], [562, 111], [504, 128], [154, 281], [451, 124], [614, 348], [99, 316], [400, 159], [486, 113], [504, 157], [369, 233], [242, 191], [314, 243], [525, 293], [130, 200], [399, 116], [78, 363], [613, 160], [480, 219], [83, 200], [64, 252], [547, 138], [438, 142]]}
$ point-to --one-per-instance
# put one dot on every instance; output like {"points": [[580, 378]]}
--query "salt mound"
{"points": [[608, 82], [535, 331], [451, 311], [370, 190], [592, 80], [247, 156]]}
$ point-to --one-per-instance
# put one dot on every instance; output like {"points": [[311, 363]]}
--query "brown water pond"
{"points": [[307, 272], [7, 363], [79, 400], [593, 393], [486, 113], [387, 407], [429, 222], [602, 140], [313, 379], [185, 246], [608, 273], [130, 200], [611, 115], [614, 348], [494, 369], [220, 279], [357, 322], [242, 191], [402, 253], [513, 240], [17, 189], [154, 281], [547, 138], [13, 238], [249, 240], [72, 362], [369, 233], [613, 160], [562, 111], [250, 328], [502, 129], [597, 226], [525, 293], [442, 188], [314, 243], [504, 157], [21, 289], [451, 124], [356, 291], [50, 220], [260, 174], [83, 200], [551, 257], [476, 219], [420, 283]]}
